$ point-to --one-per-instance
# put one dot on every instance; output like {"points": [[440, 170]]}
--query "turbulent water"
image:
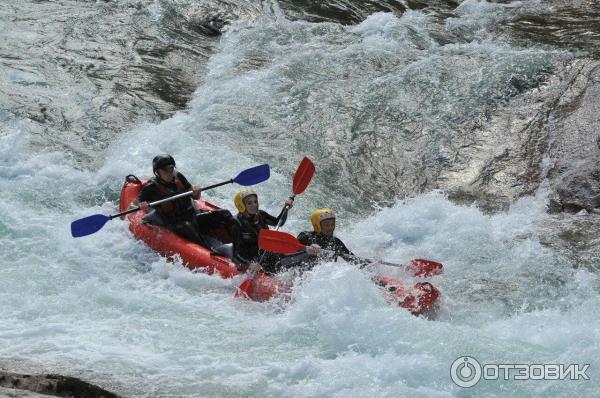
{"points": [[401, 105]]}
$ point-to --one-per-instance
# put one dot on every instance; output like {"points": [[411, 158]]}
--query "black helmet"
{"points": [[162, 161]]}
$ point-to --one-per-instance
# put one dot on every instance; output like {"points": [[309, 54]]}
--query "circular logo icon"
{"points": [[465, 372]]}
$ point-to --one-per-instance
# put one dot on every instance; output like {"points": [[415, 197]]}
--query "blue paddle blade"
{"points": [[254, 175], [88, 225]]}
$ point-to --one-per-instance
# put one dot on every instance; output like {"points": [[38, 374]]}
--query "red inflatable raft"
{"points": [[418, 298], [169, 244]]}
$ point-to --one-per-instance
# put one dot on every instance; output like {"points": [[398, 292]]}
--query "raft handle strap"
{"points": [[132, 179]]}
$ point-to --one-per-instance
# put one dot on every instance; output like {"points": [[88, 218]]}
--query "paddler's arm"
{"points": [[345, 253], [282, 217], [148, 194], [353, 259]]}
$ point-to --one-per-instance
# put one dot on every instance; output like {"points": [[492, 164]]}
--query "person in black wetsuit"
{"points": [[323, 222], [180, 215], [321, 244], [250, 221]]}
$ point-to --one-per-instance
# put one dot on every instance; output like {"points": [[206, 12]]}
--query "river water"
{"points": [[375, 94]]}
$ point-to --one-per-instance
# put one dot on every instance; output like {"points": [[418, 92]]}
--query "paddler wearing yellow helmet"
{"points": [[251, 220], [321, 237], [321, 244]]}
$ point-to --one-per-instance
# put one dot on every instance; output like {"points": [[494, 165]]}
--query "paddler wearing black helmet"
{"points": [[179, 215]]}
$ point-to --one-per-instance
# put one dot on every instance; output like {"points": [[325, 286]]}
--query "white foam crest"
{"points": [[339, 319], [494, 265], [430, 226], [30, 176], [385, 31], [336, 297]]}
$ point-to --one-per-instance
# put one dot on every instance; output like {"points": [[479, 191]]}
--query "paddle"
{"points": [[304, 173], [284, 243], [91, 224], [279, 242], [302, 177]]}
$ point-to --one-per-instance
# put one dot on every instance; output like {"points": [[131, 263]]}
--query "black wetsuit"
{"points": [[247, 238], [335, 247], [331, 243], [180, 215]]}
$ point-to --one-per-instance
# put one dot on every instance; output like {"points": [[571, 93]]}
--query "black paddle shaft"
{"points": [[283, 213]]}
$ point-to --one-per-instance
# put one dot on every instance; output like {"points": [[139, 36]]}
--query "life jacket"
{"points": [[175, 210], [248, 239]]}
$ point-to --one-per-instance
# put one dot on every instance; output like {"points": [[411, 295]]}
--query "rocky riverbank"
{"points": [[48, 385]]}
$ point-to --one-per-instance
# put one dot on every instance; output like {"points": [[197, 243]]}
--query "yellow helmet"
{"points": [[239, 197], [319, 215]]}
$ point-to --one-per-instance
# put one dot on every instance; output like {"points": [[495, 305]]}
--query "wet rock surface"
{"points": [[546, 135], [578, 190], [14, 393], [23, 385], [344, 11]]}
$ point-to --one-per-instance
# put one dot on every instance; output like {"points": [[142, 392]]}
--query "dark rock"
{"points": [[53, 385], [578, 190]]}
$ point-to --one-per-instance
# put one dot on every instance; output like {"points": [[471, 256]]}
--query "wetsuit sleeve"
{"points": [[341, 248], [149, 193], [305, 238], [269, 219], [343, 252]]}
